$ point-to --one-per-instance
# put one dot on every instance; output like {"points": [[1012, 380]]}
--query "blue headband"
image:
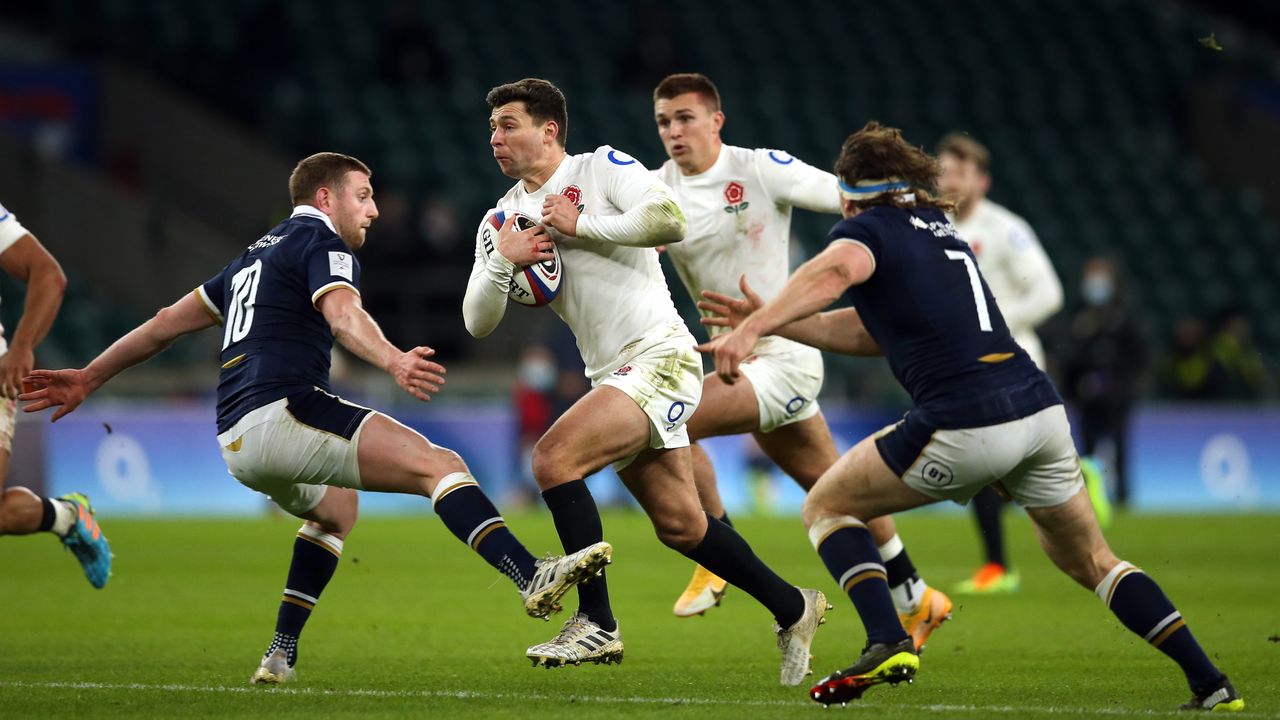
{"points": [[869, 190]]}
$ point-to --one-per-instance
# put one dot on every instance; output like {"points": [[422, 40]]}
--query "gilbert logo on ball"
{"points": [[533, 285]]}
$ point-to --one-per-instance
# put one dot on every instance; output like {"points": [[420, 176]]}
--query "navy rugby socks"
{"points": [[472, 518], [315, 558], [723, 551], [987, 509], [577, 522], [846, 548], [1142, 607]]}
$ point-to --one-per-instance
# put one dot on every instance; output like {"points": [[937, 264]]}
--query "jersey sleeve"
{"points": [[849, 230], [790, 180], [650, 215], [1029, 267], [330, 266], [10, 229], [212, 296]]}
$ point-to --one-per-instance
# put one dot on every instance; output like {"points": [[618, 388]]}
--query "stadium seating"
{"points": [[1095, 160]]}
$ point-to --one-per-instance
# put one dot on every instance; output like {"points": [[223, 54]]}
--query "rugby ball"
{"points": [[533, 285]]}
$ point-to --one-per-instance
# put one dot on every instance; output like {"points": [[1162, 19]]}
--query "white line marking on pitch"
{"points": [[621, 700]]}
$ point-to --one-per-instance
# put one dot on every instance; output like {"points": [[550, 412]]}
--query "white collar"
{"points": [[310, 211]]}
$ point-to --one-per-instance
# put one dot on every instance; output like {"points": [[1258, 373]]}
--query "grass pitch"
{"points": [[414, 625]]}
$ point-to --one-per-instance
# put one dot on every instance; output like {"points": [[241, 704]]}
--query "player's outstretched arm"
{"points": [[814, 285], [356, 330], [838, 331], [28, 262], [66, 389]]}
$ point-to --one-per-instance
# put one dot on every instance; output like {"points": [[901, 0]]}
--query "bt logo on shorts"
{"points": [[795, 404], [936, 474], [674, 413]]}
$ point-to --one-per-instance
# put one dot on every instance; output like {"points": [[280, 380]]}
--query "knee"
{"points": [[816, 508], [681, 531], [442, 462], [552, 463], [1089, 570]]}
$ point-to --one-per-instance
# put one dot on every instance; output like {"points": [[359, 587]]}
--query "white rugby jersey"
{"points": [[612, 294], [1017, 270], [10, 232], [739, 215]]}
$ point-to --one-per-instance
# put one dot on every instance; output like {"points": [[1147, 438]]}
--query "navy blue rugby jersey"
{"points": [[274, 341], [937, 323]]}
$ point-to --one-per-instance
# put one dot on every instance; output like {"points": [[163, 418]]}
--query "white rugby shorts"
{"points": [[787, 378], [292, 448], [662, 373], [1033, 458]]}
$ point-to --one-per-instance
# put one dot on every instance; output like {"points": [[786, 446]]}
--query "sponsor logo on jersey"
{"points": [[266, 241], [340, 264], [936, 474], [622, 370], [734, 194], [780, 157], [939, 228], [574, 194], [620, 158], [674, 413]]}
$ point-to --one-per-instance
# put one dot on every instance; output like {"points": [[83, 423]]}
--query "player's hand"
{"points": [[417, 375], [15, 365], [524, 247], [729, 311], [729, 350], [63, 389], [559, 213]]}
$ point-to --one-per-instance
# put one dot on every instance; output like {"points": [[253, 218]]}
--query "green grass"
{"points": [[414, 625]]}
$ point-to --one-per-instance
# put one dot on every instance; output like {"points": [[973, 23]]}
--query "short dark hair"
{"points": [[324, 169], [542, 100], [681, 83], [879, 152], [963, 146]]}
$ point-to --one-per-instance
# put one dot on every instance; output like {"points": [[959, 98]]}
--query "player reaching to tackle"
{"points": [[983, 412], [605, 212], [22, 512], [738, 204], [283, 302]]}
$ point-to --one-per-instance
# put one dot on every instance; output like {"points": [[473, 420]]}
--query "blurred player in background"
{"points": [[282, 303], [1028, 291], [738, 204], [606, 213], [983, 412], [22, 512]]}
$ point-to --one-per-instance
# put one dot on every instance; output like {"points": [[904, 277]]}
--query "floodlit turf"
{"points": [[414, 625]]}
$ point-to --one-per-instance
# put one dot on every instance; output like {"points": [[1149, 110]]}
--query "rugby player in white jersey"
{"points": [[22, 512], [606, 213], [738, 203], [1027, 289]]}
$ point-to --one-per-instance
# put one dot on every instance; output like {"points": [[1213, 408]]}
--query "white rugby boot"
{"points": [[794, 641], [274, 670], [556, 575], [579, 641]]}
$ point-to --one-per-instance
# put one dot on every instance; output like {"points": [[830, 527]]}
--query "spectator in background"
{"points": [[1103, 366], [534, 397], [1237, 362], [1190, 373]]}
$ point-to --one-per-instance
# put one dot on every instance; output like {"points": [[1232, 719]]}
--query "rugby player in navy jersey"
{"points": [[983, 413], [282, 303]]}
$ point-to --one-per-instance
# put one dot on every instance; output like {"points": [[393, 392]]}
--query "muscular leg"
{"points": [[662, 481], [858, 488], [603, 426], [22, 512], [1070, 536], [723, 410]]}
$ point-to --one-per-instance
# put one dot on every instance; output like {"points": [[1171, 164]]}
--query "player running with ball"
{"points": [[606, 213]]}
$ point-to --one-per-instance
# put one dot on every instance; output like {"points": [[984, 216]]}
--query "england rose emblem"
{"points": [[574, 195], [733, 193]]}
